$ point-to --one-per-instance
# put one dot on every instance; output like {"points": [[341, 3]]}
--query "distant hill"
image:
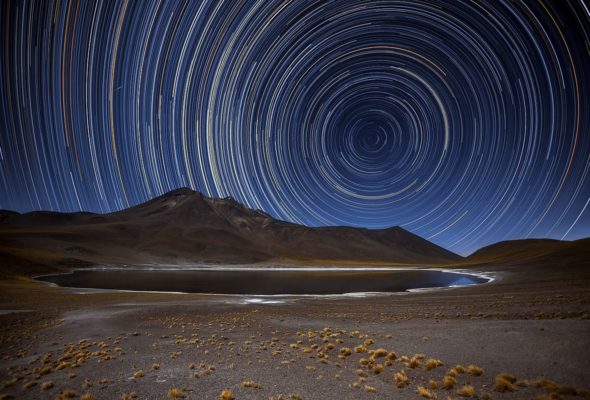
{"points": [[539, 251], [184, 226]]}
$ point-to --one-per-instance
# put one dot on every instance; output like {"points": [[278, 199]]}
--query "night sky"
{"points": [[466, 122]]}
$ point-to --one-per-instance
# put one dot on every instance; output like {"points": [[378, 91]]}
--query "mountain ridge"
{"points": [[537, 250], [186, 226]]}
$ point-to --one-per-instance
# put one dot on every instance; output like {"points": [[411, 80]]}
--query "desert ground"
{"points": [[526, 335]]}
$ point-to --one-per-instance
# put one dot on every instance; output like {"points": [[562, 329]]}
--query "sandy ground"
{"points": [[533, 323]]}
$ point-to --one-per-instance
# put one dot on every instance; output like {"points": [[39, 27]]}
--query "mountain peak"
{"points": [[183, 191], [184, 224]]}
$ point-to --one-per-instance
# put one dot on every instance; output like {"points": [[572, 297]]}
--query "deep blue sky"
{"points": [[464, 122]]}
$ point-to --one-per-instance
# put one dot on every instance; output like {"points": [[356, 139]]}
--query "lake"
{"points": [[260, 281]]}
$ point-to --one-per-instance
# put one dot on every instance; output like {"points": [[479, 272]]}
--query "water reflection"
{"points": [[263, 282]]}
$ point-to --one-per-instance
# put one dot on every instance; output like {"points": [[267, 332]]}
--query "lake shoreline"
{"points": [[262, 281], [524, 323]]}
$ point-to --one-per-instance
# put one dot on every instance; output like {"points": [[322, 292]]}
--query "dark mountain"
{"points": [[184, 226], [534, 251]]}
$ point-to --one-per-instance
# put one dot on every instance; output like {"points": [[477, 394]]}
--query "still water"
{"points": [[263, 282]]}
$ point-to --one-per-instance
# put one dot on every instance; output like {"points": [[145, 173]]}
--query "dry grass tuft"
{"points": [[379, 353], [227, 395], [449, 382], [466, 391], [29, 384], [360, 349], [67, 394], [414, 362], [485, 396], [509, 377], [345, 351], [432, 384], [87, 396], [176, 394], [155, 366], [474, 370], [370, 389], [456, 370], [44, 370], [377, 369], [47, 385], [251, 384], [138, 374], [557, 388], [504, 383], [432, 363], [427, 393], [401, 379]]}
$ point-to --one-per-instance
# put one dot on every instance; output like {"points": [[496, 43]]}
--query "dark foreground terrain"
{"points": [[524, 336]]}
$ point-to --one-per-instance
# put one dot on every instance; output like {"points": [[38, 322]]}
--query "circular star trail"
{"points": [[465, 122]]}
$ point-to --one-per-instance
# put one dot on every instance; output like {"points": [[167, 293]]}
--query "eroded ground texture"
{"points": [[516, 338]]}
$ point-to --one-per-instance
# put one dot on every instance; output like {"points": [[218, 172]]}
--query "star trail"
{"points": [[466, 122]]}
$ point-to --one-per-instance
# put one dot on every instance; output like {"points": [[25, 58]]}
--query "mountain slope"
{"points": [[184, 226], [537, 251]]}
